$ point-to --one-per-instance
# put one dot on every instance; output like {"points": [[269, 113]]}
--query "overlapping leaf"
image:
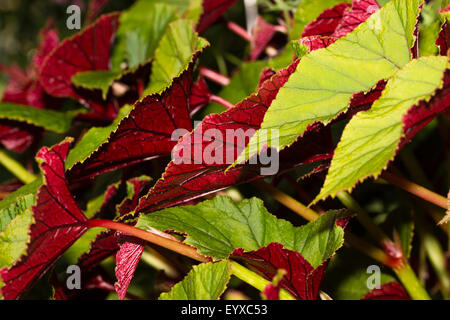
{"points": [[217, 227], [386, 123], [142, 134], [326, 80], [195, 176], [58, 224], [301, 279]]}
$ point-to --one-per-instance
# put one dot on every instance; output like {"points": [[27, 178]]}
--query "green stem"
{"points": [[364, 218], [16, 168], [411, 283], [255, 280]]}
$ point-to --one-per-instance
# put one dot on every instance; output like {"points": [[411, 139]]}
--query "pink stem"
{"points": [[214, 76], [237, 29], [221, 101]]}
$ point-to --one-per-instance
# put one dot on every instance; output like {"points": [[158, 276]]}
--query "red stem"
{"points": [[241, 32], [176, 246], [214, 76], [415, 189], [222, 101]]}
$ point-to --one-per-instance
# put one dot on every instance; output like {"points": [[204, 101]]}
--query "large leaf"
{"points": [[217, 227], [55, 121], [174, 53], [372, 137], [58, 223], [184, 181], [301, 279], [206, 281], [326, 80]]}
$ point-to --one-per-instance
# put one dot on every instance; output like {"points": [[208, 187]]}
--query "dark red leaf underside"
{"points": [[58, 224], [263, 32], [301, 279], [388, 291], [86, 51], [212, 10], [420, 115], [146, 132], [187, 181], [127, 259], [327, 22]]}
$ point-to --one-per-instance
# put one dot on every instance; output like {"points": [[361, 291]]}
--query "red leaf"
{"points": [[127, 259], [388, 291], [327, 22], [361, 10], [89, 50], [301, 279], [272, 292], [212, 10], [86, 51], [146, 132], [263, 32], [105, 245], [58, 224], [187, 181]]}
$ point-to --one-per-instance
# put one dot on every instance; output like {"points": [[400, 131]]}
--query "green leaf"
{"points": [[50, 120], [140, 31], [206, 281], [14, 238], [308, 11], [101, 80], [217, 227], [325, 80], [371, 138], [174, 54], [94, 139], [429, 29], [17, 202]]}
